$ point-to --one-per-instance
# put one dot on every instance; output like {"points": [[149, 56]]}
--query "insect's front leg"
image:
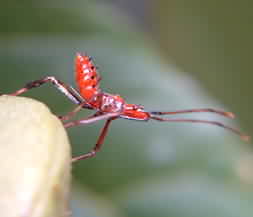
{"points": [[74, 111], [92, 119]]}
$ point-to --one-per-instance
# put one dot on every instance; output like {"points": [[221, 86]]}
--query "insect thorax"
{"points": [[110, 103]]}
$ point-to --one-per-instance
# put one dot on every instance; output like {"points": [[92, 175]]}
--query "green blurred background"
{"points": [[165, 54]]}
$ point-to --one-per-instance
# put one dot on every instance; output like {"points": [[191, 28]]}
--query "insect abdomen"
{"points": [[87, 77]]}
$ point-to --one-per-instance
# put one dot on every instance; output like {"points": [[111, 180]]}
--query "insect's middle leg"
{"points": [[96, 117], [98, 144]]}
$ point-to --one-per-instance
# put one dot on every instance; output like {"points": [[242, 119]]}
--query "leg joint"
{"points": [[38, 83]]}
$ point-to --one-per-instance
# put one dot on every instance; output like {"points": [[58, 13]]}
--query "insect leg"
{"points": [[73, 112], [98, 144], [94, 118], [67, 90]]}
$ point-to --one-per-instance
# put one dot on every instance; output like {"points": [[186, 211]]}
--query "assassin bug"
{"points": [[110, 107]]}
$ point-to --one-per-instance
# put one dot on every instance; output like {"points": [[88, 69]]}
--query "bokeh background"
{"points": [[164, 54]]}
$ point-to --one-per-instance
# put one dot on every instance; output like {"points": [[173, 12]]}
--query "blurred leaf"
{"points": [[88, 204], [133, 67], [211, 40], [186, 196]]}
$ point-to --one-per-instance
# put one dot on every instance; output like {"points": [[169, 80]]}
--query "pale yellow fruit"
{"points": [[35, 160]]}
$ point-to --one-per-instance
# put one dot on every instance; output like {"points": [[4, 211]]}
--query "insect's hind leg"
{"points": [[36, 83], [67, 90]]}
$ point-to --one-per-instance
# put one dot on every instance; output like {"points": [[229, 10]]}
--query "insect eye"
{"points": [[92, 67], [92, 77]]}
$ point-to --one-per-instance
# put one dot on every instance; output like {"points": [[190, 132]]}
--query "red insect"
{"points": [[110, 107]]}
